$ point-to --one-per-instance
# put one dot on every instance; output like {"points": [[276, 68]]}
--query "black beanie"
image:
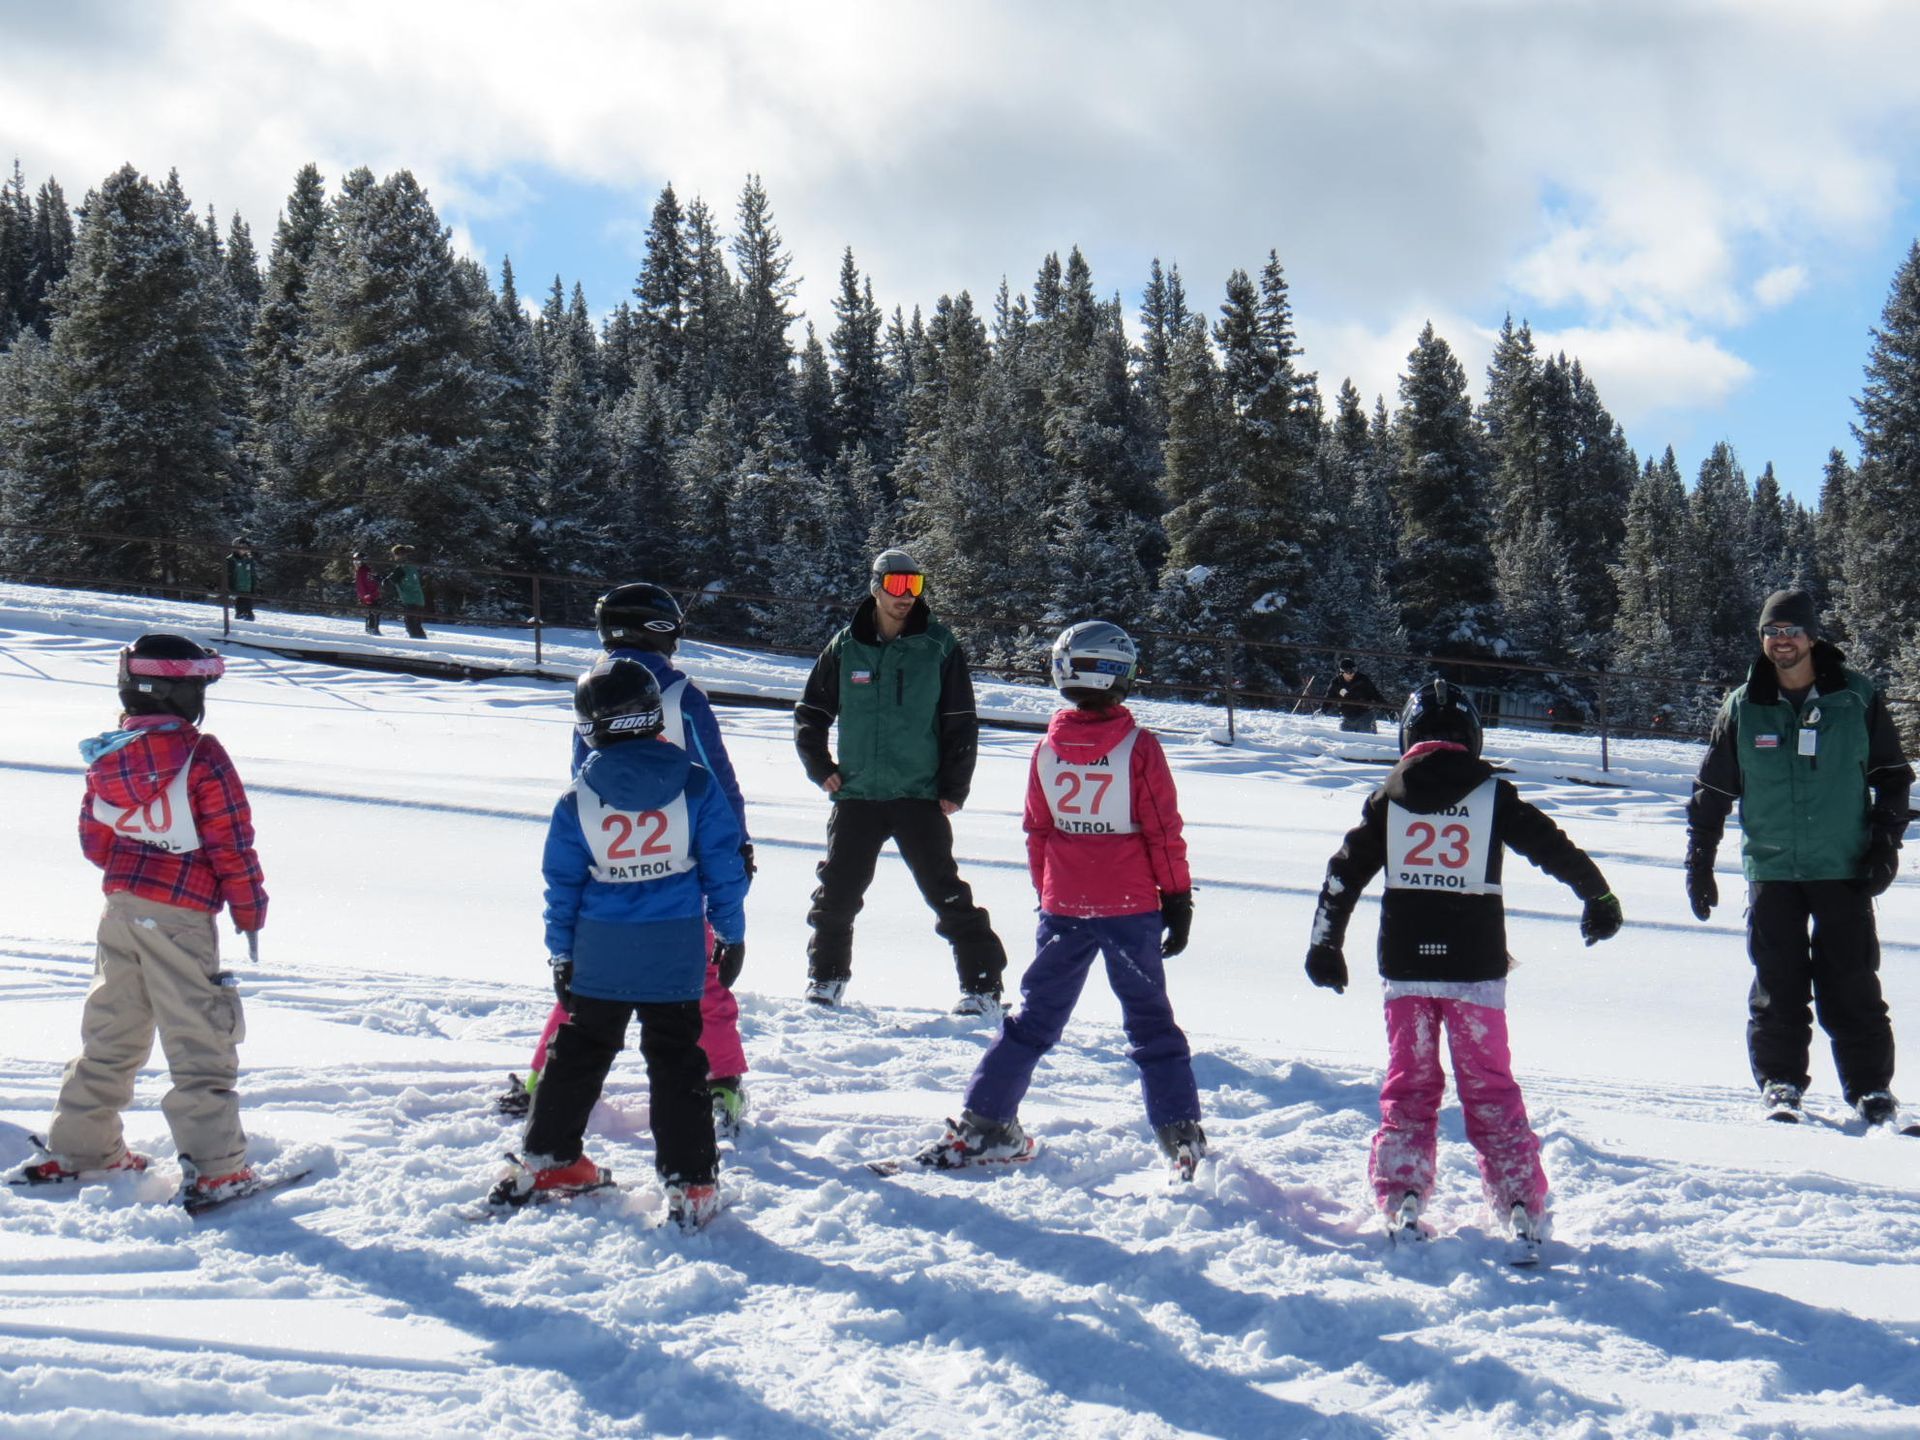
{"points": [[1791, 607]]}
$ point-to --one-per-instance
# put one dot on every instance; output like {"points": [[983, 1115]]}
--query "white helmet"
{"points": [[1094, 659]]}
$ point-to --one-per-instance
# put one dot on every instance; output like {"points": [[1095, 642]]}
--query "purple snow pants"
{"points": [[1050, 989], [1496, 1116]]}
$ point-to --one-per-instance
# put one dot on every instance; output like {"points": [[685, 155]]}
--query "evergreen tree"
{"points": [[813, 404], [707, 333], [275, 353], [661, 291], [519, 426], [16, 254], [859, 377], [642, 430], [704, 469], [1445, 580], [762, 370], [578, 509], [1771, 556], [1656, 628], [1834, 541], [620, 353], [1725, 595], [394, 398], [243, 269], [51, 253], [1883, 583], [1207, 498], [127, 430]]}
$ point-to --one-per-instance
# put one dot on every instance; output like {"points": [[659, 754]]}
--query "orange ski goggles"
{"points": [[901, 583]]}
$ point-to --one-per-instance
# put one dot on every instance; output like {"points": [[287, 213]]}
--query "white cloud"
{"points": [[1644, 371], [1779, 285]]}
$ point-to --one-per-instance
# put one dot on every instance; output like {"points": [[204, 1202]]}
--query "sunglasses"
{"points": [[903, 584], [1783, 632]]}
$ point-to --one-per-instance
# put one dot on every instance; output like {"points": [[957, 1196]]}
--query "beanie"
{"points": [[1791, 607]]}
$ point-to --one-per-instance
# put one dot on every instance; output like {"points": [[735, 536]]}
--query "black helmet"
{"points": [[167, 675], [1094, 662], [617, 700], [639, 617], [1439, 711]]}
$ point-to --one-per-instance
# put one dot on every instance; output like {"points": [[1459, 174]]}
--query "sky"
{"points": [[1704, 201]]}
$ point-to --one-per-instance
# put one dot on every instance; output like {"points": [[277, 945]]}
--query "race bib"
{"points": [[1094, 799], [673, 724], [165, 822], [630, 846], [1447, 850]]}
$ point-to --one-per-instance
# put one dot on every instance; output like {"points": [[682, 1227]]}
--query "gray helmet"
{"points": [[1094, 660]]}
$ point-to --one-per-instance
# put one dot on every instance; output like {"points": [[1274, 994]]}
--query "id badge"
{"points": [[1809, 742]]}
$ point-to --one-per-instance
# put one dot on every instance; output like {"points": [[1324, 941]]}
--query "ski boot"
{"points": [[49, 1169], [199, 1191], [1403, 1220], [517, 1098], [538, 1178], [973, 1139], [980, 1005], [826, 992], [691, 1206], [1881, 1111], [1185, 1144], [1782, 1099], [729, 1098], [1528, 1233]]}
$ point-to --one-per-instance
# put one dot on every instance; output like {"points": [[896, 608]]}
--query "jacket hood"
{"points": [[1081, 737], [1829, 674], [131, 765], [638, 774], [661, 666], [867, 631], [1432, 777]]}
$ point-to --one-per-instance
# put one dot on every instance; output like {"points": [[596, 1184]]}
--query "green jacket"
{"points": [[1813, 780], [407, 587], [240, 574], [908, 729]]}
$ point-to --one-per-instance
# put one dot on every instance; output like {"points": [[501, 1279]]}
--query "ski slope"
{"points": [[1710, 1274]]}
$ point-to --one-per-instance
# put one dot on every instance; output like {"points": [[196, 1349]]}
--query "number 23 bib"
{"points": [[633, 845], [1446, 850]]}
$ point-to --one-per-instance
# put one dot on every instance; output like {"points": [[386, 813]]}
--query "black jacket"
{"points": [[1438, 933], [1355, 699]]}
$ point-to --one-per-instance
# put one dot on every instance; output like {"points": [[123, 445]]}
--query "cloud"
{"points": [[1643, 371], [1779, 285]]}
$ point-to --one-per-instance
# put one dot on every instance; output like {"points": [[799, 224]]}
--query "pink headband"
{"points": [[208, 667]]}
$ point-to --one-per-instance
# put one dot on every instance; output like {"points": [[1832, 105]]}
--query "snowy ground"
{"points": [[1711, 1274]]}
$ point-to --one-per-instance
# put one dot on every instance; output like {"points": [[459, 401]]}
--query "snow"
{"points": [[1709, 1273]]}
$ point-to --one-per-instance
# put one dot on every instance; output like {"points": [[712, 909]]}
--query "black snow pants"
{"points": [[856, 831], [577, 1064], [1838, 970]]}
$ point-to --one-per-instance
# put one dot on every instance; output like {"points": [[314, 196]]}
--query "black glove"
{"points": [[1327, 967], [1176, 919], [728, 957], [1601, 919], [1703, 891], [746, 858], [562, 978], [1881, 865]]}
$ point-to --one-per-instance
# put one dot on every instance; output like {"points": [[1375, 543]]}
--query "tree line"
{"points": [[367, 385]]}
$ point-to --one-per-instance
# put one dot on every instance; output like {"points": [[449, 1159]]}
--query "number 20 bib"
{"points": [[1447, 850], [633, 845], [1094, 799], [165, 822]]}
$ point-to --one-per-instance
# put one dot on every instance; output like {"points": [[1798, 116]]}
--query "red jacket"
{"points": [[224, 870], [1103, 874], [366, 584]]}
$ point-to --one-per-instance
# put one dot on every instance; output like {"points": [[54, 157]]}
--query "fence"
{"points": [[1508, 692]]}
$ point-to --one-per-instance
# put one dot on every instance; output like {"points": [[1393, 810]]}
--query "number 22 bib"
{"points": [[633, 845], [1446, 850]]}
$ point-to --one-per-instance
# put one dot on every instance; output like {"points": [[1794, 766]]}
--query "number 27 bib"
{"points": [[633, 845], [1446, 850]]}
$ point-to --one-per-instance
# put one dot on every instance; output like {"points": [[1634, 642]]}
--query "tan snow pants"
{"points": [[157, 965]]}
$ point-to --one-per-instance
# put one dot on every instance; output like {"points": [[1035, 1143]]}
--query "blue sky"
{"points": [[1705, 200]]}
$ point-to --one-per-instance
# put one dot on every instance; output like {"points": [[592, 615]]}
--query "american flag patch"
{"points": [[1766, 742], [862, 677]]}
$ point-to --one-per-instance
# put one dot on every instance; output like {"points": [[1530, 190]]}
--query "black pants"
{"points": [[1839, 970], [855, 832], [243, 607], [577, 1063], [373, 621], [414, 627]]}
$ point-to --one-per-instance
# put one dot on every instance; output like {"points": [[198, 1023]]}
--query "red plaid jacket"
{"points": [[224, 870]]}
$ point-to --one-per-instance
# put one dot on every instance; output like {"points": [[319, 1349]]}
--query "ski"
{"points": [[498, 1209], [200, 1206], [1403, 1223], [937, 1158]]}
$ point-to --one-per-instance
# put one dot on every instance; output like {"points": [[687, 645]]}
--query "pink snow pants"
{"points": [[719, 1028], [1496, 1116]]}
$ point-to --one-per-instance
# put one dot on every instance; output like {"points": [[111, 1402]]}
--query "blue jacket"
{"points": [[643, 939], [704, 742]]}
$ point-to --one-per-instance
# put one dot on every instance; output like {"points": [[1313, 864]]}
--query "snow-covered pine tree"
{"points": [[707, 333], [762, 371], [1833, 542], [518, 424], [813, 404], [643, 430], [620, 353], [660, 291], [578, 509], [1883, 582], [1770, 556], [1725, 595], [16, 253], [1445, 577], [703, 471], [859, 375], [126, 428], [394, 397], [243, 269], [1656, 629]]}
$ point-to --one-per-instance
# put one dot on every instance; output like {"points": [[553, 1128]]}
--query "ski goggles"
{"points": [[901, 583], [1782, 632]]}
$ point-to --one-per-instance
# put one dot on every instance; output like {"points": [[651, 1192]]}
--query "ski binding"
{"points": [[201, 1205]]}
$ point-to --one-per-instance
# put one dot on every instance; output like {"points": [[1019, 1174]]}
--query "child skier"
{"points": [[643, 622], [1106, 854], [166, 818], [1439, 826], [641, 852]]}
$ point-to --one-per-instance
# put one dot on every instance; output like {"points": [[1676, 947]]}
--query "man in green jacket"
{"points": [[1809, 751], [898, 684]]}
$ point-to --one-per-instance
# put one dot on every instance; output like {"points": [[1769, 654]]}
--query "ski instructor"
{"points": [[897, 682], [1808, 750]]}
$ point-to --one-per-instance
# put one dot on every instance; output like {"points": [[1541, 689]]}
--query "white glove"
{"points": [[253, 945]]}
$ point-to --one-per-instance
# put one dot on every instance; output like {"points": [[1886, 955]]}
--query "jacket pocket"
{"points": [[228, 1014]]}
